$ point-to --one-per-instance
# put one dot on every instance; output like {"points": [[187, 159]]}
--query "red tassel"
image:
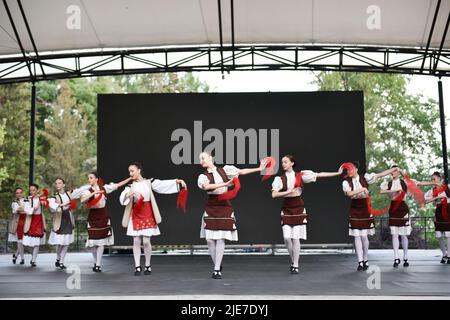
{"points": [[73, 204], [44, 201], [229, 195], [182, 199], [271, 163], [100, 183], [444, 201], [415, 191]]}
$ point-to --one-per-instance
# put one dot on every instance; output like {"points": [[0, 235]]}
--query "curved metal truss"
{"points": [[40, 67]]}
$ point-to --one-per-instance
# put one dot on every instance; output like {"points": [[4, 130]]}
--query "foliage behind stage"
{"points": [[400, 127]]}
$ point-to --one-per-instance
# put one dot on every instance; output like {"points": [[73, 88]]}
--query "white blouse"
{"points": [[159, 186], [203, 181], [396, 186], [108, 189], [75, 194], [35, 207], [370, 178], [308, 177], [22, 206], [429, 195]]}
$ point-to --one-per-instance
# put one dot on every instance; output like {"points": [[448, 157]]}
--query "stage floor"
{"points": [[244, 276]]}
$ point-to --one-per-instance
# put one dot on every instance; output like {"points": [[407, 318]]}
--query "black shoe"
{"points": [[22, 261], [33, 264], [220, 268], [137, 271], [57, 264], [396, 263], [294, 270], [148, 270], [62, 266], [366, 265], [217, 274], [14, 259], [97, 269], [94, 268], [405, 263], [448, 261], [360, 266], [444, 259]]}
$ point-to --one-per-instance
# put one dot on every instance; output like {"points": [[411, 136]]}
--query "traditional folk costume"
{"points": [[218, 220], [34, 228], [442, 218], [99, 227], [361, 221], [100, 232], [399, 219], [19, 208], [142, 216], [293, 213]]}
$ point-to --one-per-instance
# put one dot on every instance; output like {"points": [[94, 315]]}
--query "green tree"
{"points": [[14, 120], [65, 132]]}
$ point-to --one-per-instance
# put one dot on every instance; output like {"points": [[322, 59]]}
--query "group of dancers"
{"points": [[142, 216]]}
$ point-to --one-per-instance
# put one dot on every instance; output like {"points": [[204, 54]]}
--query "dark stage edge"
{"points": [[324, 276]]}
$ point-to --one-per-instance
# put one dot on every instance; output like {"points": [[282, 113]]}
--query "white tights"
{"points": [[396, 246], [20, 250], [442, 243], [61, 252], [362, 248], [293, 246], [97, 253], [216, 250], [137, 250]]}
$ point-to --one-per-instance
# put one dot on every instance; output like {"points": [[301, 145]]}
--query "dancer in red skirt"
{"points": [[141, 216], [440, 196], [34, 228], [219, 223], [293, 212], [19, 207], [100, 232], [361, 221]]}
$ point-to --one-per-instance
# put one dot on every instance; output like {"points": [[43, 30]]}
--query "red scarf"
{"points": [[43, 198], [271, 162], [182, 199], [444, 201], [229, 195], [298, 180], [97, 199]]}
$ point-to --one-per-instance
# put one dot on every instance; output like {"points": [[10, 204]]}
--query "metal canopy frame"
{"points": [[37, 66]]}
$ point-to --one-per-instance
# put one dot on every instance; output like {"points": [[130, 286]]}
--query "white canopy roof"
{"points": [[148, 23]]}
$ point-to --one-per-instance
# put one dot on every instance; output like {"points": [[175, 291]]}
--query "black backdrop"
{"points": [[321, 129]]}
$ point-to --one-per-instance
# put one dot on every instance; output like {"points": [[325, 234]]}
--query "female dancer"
{"points": [[141, 216], [61, 235], [19, 207], [219, 223], [34, 228], [440, 195], [290, 186], [100, 233], [399, 220], [361, 222]]}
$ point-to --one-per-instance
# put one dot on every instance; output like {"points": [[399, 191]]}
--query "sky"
{"points": [[275, 81]]}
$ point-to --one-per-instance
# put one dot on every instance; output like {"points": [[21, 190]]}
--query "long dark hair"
{"points": [[291, 159]]}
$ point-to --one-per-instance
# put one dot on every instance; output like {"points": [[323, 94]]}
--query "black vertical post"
{"points": [[443, 136], [32, 133]]}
